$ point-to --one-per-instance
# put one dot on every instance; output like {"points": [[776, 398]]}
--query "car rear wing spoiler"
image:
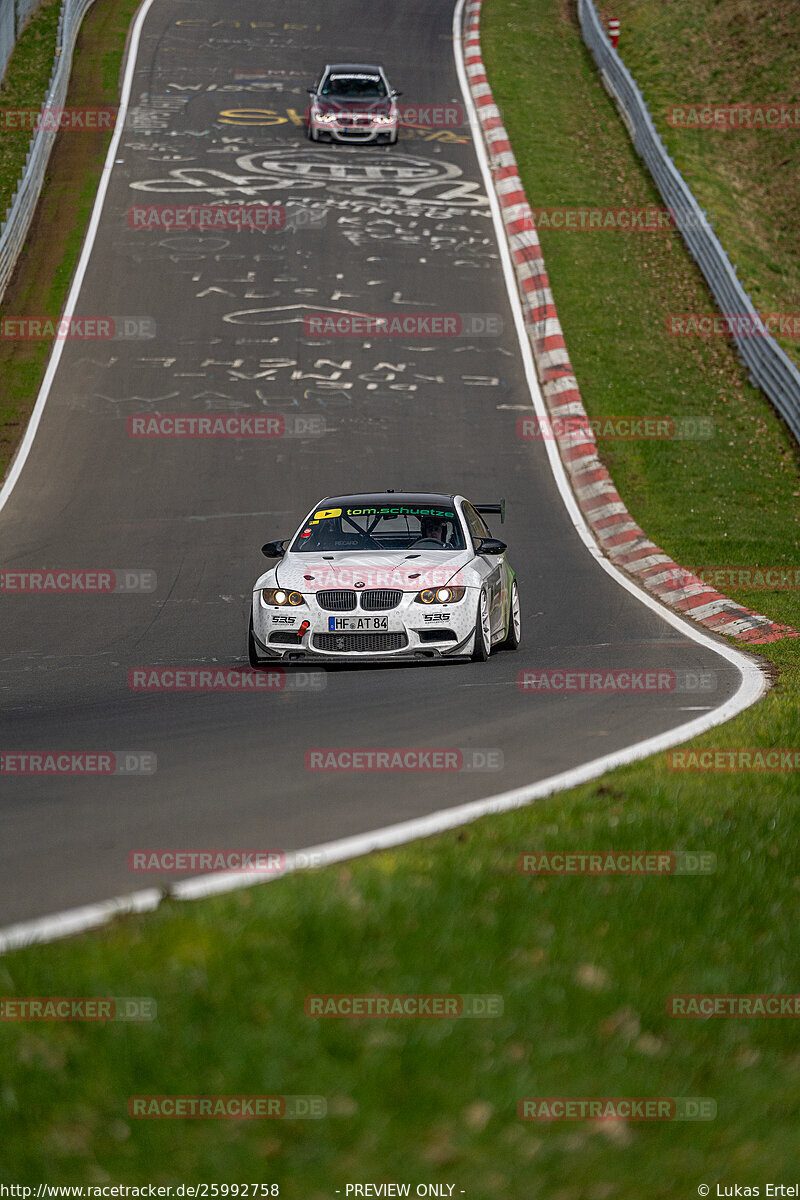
{"points": [[494, 508]]}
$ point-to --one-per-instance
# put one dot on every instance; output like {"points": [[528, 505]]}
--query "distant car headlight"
{"points": [[325, 117], [384, 119], [281, 597], [442, 595]]}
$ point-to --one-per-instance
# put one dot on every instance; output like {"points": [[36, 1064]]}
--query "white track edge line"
{"points": [[753, 680]]}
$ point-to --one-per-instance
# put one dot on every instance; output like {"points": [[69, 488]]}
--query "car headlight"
{"points": [[384, 119], [325, 117], [281, 597], [442, 595]]}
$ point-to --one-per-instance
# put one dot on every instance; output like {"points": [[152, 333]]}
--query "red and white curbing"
{"points": [[622, 540]]}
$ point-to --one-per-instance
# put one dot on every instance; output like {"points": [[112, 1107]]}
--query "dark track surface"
{"points": [[406, 229]]}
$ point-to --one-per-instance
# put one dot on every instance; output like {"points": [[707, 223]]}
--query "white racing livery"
{"points": [[353, 102], [385, 576]]}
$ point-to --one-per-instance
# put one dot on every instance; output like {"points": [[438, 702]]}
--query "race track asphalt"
{"points": [[215, 114]]}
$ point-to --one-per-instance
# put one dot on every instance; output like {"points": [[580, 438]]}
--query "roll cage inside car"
{"points": [[366, 535]]}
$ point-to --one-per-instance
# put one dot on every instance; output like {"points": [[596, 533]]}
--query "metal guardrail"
{"points": [[19, 215], [770, 367]]}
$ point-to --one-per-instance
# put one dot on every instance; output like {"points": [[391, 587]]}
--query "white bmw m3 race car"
{"points": [[386, 576]]}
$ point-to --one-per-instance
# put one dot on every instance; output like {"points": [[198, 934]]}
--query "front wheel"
{"points": [[313, 136], [393, 138], [514, 631], [483, 631]]}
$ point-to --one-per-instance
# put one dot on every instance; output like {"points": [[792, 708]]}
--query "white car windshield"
{"points": [[356, 86], [381, 528]]}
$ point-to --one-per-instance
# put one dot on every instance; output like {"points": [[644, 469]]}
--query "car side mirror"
{"points": [[396, 93], [274, 549], [491, 546], [312, 91]]}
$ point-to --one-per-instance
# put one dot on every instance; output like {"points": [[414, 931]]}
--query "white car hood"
{"points": [[409, 570]]}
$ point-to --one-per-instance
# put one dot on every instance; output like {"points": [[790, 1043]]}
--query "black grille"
{"points": [[362, 643], [339, 601], [438, 635], [380, 598], [285, 637]]}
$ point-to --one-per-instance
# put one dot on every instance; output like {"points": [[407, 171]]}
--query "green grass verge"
{"points": [[584, 965], [699, 52], [47, 263], [24, 86], [728, 500]]}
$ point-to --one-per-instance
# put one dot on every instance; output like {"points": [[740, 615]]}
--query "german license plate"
{"points": [[350, 624]]}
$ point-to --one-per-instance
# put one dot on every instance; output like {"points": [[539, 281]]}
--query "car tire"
{"points": [[514, 631], [252, 649], [393, 138], [313, 136], [483, 632]]}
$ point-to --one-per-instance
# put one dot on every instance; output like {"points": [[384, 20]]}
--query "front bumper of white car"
{"points": [[355, 127], [329, 626]]}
